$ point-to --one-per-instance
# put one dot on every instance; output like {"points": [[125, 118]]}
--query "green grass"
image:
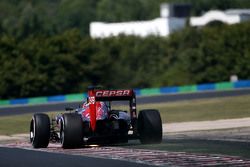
{"points": [[205, 109], [190, 110], [16, 124]]}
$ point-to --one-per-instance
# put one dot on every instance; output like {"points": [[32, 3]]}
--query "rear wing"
{"points": [[114, 95], [111, 95]]}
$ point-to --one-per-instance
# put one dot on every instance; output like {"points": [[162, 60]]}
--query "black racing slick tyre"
{"points": [[150, 126], [71, 131], [40, 130]]}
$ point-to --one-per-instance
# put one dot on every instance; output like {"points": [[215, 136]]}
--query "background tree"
{"points": [[45, 48]]}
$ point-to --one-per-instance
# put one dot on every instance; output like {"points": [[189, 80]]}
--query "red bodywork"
{"points": [[101, 110], [109, 95]]}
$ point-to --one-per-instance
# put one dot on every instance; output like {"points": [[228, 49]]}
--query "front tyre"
{"points": [[40, 130], [150, 126], [71, 131]]}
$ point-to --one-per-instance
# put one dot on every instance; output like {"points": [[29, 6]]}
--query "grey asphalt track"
{"points": [[15, 110], [14, 157]]}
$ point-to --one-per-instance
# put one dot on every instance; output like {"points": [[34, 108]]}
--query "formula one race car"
{"points": [[95, 122]]}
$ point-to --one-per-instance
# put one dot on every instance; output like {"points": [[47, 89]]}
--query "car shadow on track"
{"points": [[234, 148]]}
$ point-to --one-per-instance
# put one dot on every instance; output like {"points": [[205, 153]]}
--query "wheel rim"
{"points": [[31, 135], [32, 131], [62, 137], [62, 131]]}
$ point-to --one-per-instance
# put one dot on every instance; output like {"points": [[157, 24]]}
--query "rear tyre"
{"points": [[40, 130], [71, 132], [150, 126]]}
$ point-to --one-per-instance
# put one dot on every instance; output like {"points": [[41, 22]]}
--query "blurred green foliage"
{"points": [[45, 48], [68, 62], [49, 17]]}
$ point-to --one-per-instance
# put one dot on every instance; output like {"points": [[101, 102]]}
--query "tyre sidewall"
{"points": [[150, 126], [40, 126], [71, 130]]}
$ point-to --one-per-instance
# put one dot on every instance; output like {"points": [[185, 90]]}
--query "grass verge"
{"points": [[17, 124], [203, 110]]}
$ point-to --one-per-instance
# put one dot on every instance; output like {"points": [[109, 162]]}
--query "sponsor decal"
{"points": [[108, 93]]}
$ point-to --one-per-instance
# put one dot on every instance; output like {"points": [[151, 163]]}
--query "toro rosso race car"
{"points": [[95, 122]]}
